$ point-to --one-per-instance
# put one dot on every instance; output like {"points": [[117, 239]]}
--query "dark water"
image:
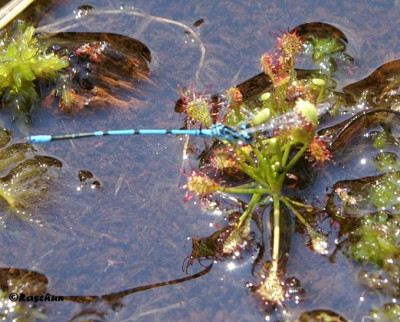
{"points": [[133, 230]]}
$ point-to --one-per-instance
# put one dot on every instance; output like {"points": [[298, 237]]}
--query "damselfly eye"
{"points": [[249, 138]]}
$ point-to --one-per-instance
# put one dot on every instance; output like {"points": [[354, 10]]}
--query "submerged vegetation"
{"points": [[284, 120], [292, 107], [105, 70], [27, 177], [87, 69]]}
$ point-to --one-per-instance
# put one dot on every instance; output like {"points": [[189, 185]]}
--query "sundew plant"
{"points": [[283, 127]]}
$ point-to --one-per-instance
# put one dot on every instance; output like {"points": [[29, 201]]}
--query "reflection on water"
{"points": [[132, 230]]}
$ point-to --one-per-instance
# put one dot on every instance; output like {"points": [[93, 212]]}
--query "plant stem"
{"points": [[282, 104], [252, 172], [296, 157], [285, 157], [321, 94], [11, 10], [265, 171], [250, 185], [299, 204], [252, 204], [276, 230], [267, 162], [246, 190], [298, 215]]}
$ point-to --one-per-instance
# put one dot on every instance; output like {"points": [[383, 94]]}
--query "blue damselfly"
{"points": [[244, 132]]}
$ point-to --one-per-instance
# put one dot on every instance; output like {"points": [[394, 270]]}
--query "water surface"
{"points": [[133, 230]]}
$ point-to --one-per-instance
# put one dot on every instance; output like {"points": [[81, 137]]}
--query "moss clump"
{"points": [[384, 193], [377, 240], [387, 161], [388, 312], [23, 60]]}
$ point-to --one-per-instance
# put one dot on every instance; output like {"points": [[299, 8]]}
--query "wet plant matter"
{"points": [[23, 61], [291, 105], [26, 176], [103, 68], [286, 143], [86, 69]]}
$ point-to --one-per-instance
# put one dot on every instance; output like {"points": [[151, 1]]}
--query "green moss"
{"points": [[23, 60], [377, 240], [381, 140], [325, 52], [324, 47], [387, 161], [388, 312], [385, 192], [198, 110]]}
